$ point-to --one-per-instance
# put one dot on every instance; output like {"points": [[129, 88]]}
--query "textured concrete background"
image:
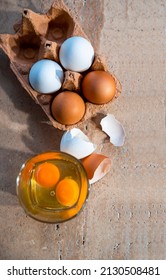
{"points": [[125, 217]]}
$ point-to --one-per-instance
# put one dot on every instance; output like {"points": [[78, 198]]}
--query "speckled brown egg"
{"points": [[98, 87], [68, 108]]}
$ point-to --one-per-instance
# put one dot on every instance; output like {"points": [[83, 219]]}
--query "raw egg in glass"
{"points": [[52, 187]]}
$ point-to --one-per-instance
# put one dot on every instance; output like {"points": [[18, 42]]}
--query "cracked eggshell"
{"points": [[96, 166], [76, 143], [113, 128]]}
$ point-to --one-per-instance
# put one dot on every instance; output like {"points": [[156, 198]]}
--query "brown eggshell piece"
{"points": [[96, 166], [68, 107], [99, 87]]}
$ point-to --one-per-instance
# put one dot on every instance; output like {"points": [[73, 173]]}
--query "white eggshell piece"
{"points": [[76, 143], [101, 170], [76, 54], [46, 76], [113, 128]]}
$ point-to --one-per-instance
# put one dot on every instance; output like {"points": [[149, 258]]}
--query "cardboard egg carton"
{"points": [[39, 36]]}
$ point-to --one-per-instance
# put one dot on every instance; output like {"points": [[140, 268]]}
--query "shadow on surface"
{"points": [[9, 169], [11, 13], [39, 137]]}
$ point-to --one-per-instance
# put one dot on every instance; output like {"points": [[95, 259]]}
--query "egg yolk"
{"points": [[47, 174], [67, 192]]}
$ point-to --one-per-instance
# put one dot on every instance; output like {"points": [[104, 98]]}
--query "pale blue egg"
{"points": [[76, 54], [46, 76]]}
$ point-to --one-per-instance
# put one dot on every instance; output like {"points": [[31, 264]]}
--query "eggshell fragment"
{"points": [[113, 128], [76, 143], [96, 166]]}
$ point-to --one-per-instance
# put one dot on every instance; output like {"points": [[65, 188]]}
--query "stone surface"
{"points": [[125, 215]]}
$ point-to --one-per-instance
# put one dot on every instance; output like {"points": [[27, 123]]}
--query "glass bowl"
{"points": [[52, 187]]}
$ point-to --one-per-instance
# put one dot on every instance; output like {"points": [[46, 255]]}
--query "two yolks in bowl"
{"points": [[47, 175]]}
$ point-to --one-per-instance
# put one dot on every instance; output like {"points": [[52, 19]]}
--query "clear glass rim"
{"points": [[45, 220]]}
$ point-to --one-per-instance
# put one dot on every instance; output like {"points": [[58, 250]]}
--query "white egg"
{"points": [[76, 54], [113, 129], [46, 76], [76, 143]]}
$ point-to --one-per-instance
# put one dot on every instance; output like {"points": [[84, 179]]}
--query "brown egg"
{"points": [[68, 107], [96, 166], [98, 87]]}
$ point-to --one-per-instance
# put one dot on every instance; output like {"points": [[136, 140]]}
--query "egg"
{"points": [[98, 87], [96, 166], [114, 129], [67, 192], [76, 54], [47, 174], [46, 76], [76, 143], [68, 108]]}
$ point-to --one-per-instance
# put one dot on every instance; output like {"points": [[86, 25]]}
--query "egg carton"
{"points": [[39, 36]]}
